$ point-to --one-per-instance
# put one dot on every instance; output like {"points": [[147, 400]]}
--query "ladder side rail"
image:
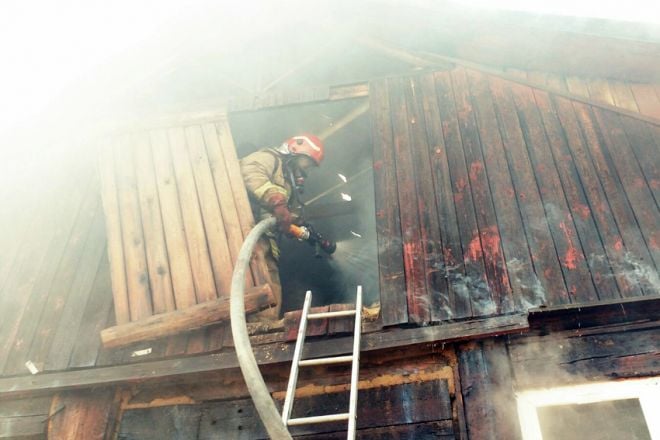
{"points": [[355, 371], [297, 354]]}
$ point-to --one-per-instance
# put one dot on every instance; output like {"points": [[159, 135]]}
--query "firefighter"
{"points": [[274, 178]]}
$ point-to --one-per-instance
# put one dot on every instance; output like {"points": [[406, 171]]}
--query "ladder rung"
{"points": [[318, 419], [326, 361], [325, 315]]}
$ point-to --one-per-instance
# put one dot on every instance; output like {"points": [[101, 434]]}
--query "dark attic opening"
{"points": [[337, 199]]}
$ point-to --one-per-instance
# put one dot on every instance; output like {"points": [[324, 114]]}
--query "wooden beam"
{"points": [[602, 313], [397, 53], [345, 120], [266, 355], [171, 323]]}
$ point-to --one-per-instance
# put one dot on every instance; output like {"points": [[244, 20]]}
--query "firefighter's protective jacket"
{"points": [[263, 174]]}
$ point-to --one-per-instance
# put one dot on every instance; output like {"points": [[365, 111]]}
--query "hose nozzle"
{"points": [[307, 233]]}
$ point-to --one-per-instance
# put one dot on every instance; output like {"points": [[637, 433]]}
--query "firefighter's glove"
{"points": [[278, 205]]}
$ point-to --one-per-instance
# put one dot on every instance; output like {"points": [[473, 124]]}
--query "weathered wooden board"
{"points": [[487, 390], [394, 309], [540, 198], [406, 404], [177, 213], [89, 414]]}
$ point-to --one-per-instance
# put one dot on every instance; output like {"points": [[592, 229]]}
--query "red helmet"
{"points": [[306, 144]]}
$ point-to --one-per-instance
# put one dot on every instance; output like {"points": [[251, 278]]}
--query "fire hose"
{"points": [[255, 382], [263, 402]]}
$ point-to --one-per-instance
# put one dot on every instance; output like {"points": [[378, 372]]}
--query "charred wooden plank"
{"points": [[487, 390], [175, 238], [413, 255], [338, 326], [495, 140], [645, 143], [487, 242], [394, 308], [603, 313], [570, 359], [580, 211], [472, 286], [634, 201], [550, 284], [591, 205], [430, 225], [453, 303], [265, 355], [606, 195], [557, 212], [316, 327]]}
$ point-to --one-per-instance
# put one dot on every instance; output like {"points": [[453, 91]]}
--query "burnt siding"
{"points": [[494, 196]]}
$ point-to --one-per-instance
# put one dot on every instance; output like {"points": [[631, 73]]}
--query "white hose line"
{"points": [[266, 408]]}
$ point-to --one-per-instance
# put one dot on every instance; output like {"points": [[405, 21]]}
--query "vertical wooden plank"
{"points": [[569, 250], [175, 238], [227, 155], [34, 286], [495, 147], [88, 341], [647, 100], [223, 188], [629, 246], [200, 260], [455, 304], [599, 207], [88, 414], [487, 388], [434, 264], [473, 286], [413, 256], [394, 308], [137, 276], [580, 211], [71, 313], [541, 242], [488, 237], [214, 229], [154, 238], [113, 232], [635, 207], [640, 136]]}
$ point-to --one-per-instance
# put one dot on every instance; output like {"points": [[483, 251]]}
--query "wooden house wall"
{"points": [[492, 371], [493, 196]]}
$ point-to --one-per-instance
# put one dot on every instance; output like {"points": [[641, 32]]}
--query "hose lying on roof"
{"points": [[266, 408]]}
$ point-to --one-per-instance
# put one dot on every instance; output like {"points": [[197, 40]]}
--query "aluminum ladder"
{"points": [[297, 362]]}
